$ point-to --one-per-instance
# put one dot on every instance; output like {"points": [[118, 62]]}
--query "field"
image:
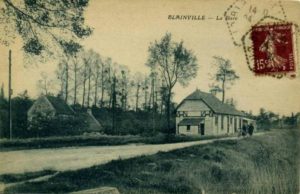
{"points": [[261, 164]]}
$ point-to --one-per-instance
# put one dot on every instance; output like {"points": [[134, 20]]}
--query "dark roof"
{"points": [[214, 103], [60, 106], [190, 121]]}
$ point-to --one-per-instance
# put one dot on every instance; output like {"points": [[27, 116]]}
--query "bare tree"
{"points": [[98, 65], [145, 88], [125, 86], [138, 79], [153, 92], [89, 58], [60, 73], [175, 64], [225, 74], [76, 65], [105, 79], [84, 79], [45, 85]]}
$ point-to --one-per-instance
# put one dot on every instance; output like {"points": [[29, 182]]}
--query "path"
{"points": [[73, 158]]}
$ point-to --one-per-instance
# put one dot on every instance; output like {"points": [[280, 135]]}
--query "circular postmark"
{"points": [[248, 13]]}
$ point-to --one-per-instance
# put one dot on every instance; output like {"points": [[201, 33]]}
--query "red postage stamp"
{"points": [[273, 49]]}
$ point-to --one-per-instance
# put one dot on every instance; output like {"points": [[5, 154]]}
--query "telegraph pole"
{"points": [[9, 95]]}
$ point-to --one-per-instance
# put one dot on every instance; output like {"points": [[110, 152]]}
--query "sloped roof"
{"points": [[190, 121], [213, 102], [60, 106]]}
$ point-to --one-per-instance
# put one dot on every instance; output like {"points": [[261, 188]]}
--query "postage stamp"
{"points": [[285, 46], [273, 50]]}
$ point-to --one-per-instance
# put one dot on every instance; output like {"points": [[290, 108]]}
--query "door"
{"points": [[202, 128], [227, 124]]}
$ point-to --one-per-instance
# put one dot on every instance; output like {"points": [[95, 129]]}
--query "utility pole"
{"points": [[9, 95]]}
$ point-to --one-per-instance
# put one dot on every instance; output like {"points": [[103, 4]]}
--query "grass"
{"points": [[256, 165], [98, 140], [13, 178]]}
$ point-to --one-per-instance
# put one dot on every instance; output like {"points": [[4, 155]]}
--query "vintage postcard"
{"points": [[162, 96]]}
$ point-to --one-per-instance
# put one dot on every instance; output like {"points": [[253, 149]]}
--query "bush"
{"points": [[44, 126], [131, 122]]}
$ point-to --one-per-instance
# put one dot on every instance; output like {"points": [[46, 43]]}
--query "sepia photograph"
{"points": [[150, 97]]}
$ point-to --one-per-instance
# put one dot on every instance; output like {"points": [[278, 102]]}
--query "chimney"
{"points": [[89, 111]]}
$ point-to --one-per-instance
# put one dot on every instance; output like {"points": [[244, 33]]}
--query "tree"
{"points": [[90, 58], [145, 88], [70, 48], [106, 80], [45, 85], [98, 65], [138, 79], [125, 86], [60, 73], [114, 103], [2, 96], [44, 25], [224, 75], [76, 69], [175, 64]]}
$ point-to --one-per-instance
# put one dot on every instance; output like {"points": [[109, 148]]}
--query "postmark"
{"points": [[247, 14], [273, 49]]}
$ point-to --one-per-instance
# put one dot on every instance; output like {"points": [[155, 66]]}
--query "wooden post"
{"points": [[9, 95]]}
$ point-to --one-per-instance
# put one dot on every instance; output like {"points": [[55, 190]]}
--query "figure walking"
{"points": [[250, 129]]}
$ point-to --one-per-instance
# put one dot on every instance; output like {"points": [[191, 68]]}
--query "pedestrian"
{"points": [[250, 129], [244, 130]]}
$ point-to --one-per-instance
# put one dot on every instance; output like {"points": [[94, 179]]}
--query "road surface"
{"points": [[73, 158]]}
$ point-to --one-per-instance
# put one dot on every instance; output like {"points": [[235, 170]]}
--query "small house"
{"points": [[203, 113], [50, 106]]}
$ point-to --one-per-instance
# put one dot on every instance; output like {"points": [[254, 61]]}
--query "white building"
{"points": [[202, 113]]}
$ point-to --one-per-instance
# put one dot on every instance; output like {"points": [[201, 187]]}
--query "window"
{"points": [[216, 120], [231, 120], [222, 122], [235, 125], [188, 127]]}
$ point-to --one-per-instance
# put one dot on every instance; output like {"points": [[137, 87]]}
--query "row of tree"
{"points": [[267, 120], [52, 29], [86, 78]]}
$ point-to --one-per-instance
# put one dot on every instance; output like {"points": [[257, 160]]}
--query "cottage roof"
{"points": [[190, 121], [213, 102], [60, 106]]}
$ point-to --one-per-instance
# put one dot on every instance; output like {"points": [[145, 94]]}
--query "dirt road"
{"points": [[73, 158]]}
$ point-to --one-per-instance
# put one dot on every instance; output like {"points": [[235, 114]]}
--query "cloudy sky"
{"points": [[124, 29]]}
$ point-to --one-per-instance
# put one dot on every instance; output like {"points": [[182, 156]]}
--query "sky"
{"points": [[123, 30]]}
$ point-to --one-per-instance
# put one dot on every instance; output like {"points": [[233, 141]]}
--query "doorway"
{"points": [[201, 129]]}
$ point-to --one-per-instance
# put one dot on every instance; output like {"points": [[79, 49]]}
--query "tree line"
{"points": [[51, 29], [87, 79]]}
